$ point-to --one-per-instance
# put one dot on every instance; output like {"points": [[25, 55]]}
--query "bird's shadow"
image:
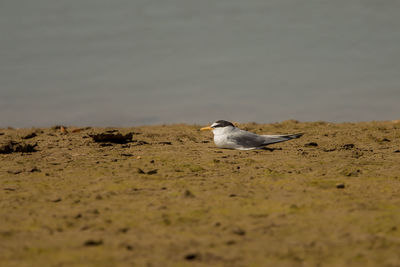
{"points": [[270, 149]]}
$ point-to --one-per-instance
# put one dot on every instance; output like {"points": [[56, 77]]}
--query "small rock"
{"points": [[140, 171], [232, 195], [348, 146], [35, 169], [140, 142], [56, 200], [152, 172], [29, 136], [312, 144], [239, 231], [191, 256], [165, 143], [188, 194], [63, 130], [123, 230], [397, 151], [14, 171], [340, 185], [91, 243], [107, 137], [231, 242], [13, 146], [9, 189]]}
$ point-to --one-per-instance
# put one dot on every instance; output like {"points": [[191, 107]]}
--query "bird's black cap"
{"points": [[222, 123]]}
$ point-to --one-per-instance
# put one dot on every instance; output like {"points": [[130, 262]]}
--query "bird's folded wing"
{"points": [[246, 139]]}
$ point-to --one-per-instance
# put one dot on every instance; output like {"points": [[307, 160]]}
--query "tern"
{"points": [[226, 135]]}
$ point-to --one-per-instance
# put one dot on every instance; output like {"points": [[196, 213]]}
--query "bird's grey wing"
{"points": [[272, 139], [246, 139]]}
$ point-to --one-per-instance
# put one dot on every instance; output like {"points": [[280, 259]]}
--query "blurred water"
{"points": [[121, 63]]}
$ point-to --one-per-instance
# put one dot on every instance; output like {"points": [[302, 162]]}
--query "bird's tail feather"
{"points": [[272, 139]]}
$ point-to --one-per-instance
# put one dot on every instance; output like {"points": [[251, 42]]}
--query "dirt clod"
{"points": [[340, 185], [29, 136], [191, 256], [93, 242], [152, 172], [311, 144], [348, 146], [188, 194], [12, 147], [111, 137]]}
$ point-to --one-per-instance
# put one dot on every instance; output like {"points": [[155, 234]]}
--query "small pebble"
{"points": [[340, 186], [191, 256], [91, 242]]}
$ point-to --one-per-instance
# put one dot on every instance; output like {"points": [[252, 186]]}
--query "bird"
{"points": [[226, 135]]}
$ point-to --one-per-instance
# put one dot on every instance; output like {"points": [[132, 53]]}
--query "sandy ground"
{"points": [[171, 198]]}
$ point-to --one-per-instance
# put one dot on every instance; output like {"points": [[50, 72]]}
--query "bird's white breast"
{"points": [[221, 137]]}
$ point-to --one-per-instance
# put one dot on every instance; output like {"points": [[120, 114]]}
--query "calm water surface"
{"points": [[122, 63]]}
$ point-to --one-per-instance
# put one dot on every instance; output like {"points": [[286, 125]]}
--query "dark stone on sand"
{"points": [[29, 136], [92, 242], [191, 256], [9, 189], [188, 194], [105, 144], [12, 147], [232, 195], [397, 151], [165, 143], [117, 138], [14, 171], [139, 170], [239, 231], [123, 230], [139, 142], [329, 149], [152, 172], [348, 146], [340, 185], [312, 144], [35, 169], [56, 200]]}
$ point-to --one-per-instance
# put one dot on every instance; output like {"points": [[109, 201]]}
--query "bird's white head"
{"points": [[219, 127]]}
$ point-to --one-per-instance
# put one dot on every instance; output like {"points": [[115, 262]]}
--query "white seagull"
{"points": [[226, 135]]}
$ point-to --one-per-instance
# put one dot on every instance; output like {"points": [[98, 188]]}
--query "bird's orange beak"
{"points": [[208, 128]]}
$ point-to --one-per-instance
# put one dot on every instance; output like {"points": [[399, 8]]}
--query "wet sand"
{"points": [[171, 198]]}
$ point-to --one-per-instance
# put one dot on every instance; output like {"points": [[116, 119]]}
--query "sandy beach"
{"points": [[166, 196]]}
